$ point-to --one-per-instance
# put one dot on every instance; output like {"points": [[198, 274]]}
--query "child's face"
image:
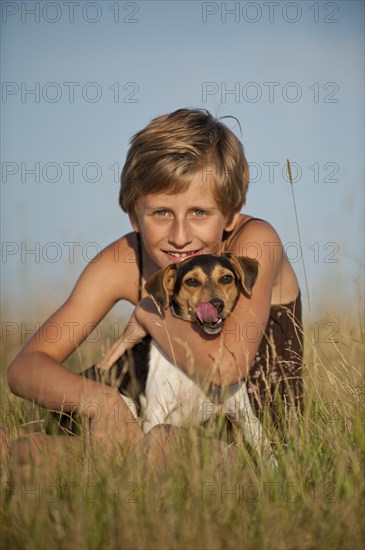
{"points": [[174, 227]]}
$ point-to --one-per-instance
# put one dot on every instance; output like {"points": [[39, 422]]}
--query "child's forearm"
{"points": [[39, 378]]}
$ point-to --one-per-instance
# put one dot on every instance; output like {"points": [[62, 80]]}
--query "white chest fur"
{"points": [[173, 398]]}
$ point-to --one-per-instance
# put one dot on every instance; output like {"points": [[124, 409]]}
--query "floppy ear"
{"points": [[160, 285], [246, 270]]}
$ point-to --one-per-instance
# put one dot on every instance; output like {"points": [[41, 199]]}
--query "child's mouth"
{"points": [[180, 256]]}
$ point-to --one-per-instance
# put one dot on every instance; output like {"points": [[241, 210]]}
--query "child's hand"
{"points": [[112, 423], [131, 335]]}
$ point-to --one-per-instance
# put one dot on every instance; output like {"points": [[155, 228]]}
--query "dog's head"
{"points": [[204, 289]]}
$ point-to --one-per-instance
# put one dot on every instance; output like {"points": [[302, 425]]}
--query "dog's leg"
{"points": [[171, 397], [239, 404], [131, 335], [162, 390]]}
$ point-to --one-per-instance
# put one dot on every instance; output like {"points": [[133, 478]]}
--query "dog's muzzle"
{"points": [[208, 317]]}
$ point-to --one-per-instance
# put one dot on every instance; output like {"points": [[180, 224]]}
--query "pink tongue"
{"points": [[206, 313]]}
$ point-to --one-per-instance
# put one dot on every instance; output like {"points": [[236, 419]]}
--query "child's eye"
{"points": [[198, 212], [160, 213]]}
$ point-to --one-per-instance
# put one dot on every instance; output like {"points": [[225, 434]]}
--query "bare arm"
{"points": [[37, 372]]}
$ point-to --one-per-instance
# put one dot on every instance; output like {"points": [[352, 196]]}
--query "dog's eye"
{"points": [[192, 282], [226, 279]]}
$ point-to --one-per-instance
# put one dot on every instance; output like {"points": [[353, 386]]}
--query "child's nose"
{"points": [[180, 233]]}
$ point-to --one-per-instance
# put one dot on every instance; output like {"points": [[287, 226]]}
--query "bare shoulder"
{"points": [[257, 239], [112, 271]]}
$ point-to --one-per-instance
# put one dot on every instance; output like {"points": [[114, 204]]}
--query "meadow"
{"points": [[313, 499]]}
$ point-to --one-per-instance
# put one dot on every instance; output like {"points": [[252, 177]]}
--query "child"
{"points": [[183, 186]]}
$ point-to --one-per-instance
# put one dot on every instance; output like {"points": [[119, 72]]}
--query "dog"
{"points": [[203, 290]]}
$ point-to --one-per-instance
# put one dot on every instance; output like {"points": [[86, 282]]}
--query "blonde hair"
{"points": [[168, 152]]}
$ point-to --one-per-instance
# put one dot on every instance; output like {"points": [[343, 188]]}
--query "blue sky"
{"points": [[291, 72]]}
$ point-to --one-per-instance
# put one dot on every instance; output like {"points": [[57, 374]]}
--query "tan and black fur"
{"points": [[206, 278]]}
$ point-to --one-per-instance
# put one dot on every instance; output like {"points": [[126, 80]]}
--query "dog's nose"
{"points": [[218, 304]]}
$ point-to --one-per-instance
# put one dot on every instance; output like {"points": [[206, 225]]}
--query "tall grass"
{"points": [[313, 499]]}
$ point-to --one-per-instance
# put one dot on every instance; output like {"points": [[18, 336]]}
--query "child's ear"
{"points": [[134, 222], [232, 220]]}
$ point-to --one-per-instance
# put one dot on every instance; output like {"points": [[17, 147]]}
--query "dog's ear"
{"points": [[161, 284], [246, 270]]}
